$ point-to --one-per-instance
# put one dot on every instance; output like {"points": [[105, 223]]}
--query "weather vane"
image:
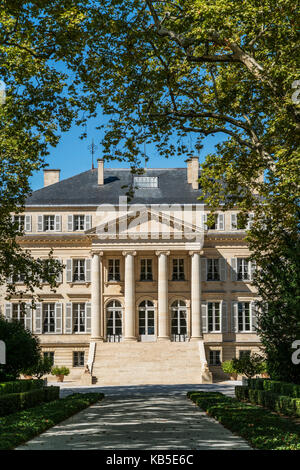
{"points": [[92, 148]]}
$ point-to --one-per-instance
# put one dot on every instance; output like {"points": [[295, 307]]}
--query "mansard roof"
{"points": [[83, 189]]}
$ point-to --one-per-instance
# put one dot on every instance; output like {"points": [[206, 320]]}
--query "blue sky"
{"points": [[72, 155]]}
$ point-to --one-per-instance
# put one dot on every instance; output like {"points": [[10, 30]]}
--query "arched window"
{"points": [[114, 321], [178, 320], [146, 320]]}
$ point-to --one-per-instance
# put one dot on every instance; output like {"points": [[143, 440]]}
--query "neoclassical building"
{"points": [[148, 293]]}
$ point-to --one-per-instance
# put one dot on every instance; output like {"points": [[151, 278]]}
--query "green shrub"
{"points": [[42, 367], [242, 393], [275, 386], [51, 393], [62, 370], [228, 367], [13, 402], [250, 365], [18, 386]]}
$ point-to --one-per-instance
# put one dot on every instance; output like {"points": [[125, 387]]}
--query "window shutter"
{"points": [[60, 275], [203, 221], [27, 223], [70, 223], [58, 318], [253, 316], [68, 319], [203, 269], [233, 269], [221, 222], [40, 227], [224, 317], [69, 269], [38, 318], [58, 223], [252, 269], [88, 222], [233, 221], [88, 317], [28, 317], [204, 317], [250, 220], [222, 268], [88, 270], [234, 317], [8, 311]]}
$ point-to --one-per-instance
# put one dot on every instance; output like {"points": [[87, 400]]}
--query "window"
{"points": [[146, 318], [48, 318], [18, 312], [49, 223], [145, 181], [178, 269], [243, 269], [244, 316], [79, 222], [244, 352], [78, 270], [214, 316], [240, 222], [114, 270], [178, 320], [114, 321], [19, 278], [20, 221], [215, 357], [146, 270], [78, 318], [213, 272], [49, 355], [78, 358]]}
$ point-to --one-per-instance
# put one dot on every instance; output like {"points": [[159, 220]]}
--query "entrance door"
{"points": [[146, 321], [114, 321], [178, 323]]}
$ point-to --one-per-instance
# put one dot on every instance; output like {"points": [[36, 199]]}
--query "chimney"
{"points": [[51, 177], [193, 172], [100, 171]]}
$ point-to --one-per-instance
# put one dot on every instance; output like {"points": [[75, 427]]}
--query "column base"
{"points": [[100, 339], [196, 338], [163, 338], [129, 339]]}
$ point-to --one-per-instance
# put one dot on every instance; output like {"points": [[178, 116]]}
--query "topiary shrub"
{"points": [[60, 370], [250, 365], [229, 368]]}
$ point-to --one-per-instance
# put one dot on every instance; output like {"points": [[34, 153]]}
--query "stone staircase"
{"points": [[141, 363]]}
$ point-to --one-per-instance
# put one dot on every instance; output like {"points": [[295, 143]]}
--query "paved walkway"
{"points": [[140, 418]]}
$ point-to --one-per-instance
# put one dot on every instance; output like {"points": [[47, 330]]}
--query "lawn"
{"points": [[20, 427], [260, 427]]}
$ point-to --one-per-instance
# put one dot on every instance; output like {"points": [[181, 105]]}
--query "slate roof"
{"points": [[83, 189]]}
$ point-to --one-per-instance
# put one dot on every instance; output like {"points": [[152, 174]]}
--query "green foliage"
{"points": [[43, 367], [19, 386], [249, 365], [23, 426], [260, 427], [229, 367], [22, 349], [275, 386], [60, 370], [13, 402]]}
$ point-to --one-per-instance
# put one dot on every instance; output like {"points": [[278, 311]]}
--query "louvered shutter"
{"points": [[58, 223], [204, 317], [28, 317], [203, 269], [58, 318], [70, 223], [8, 311], [69, 270], [203, 221], [222, 269], [224, 317], [252, 269], [88, 270], [68, 319], [253, 316], [221, 222], [88, 222], [40, 224], [234, 317], [60, 275], [233, 218], [38, 318], [88, 317], [233, 269], [28, 227]]}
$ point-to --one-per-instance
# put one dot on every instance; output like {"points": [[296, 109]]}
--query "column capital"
{"points": [[98, 253], [195, 252], [162, 252], [129, 252]]}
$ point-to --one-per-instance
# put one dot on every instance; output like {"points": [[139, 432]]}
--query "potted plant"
{"points": [[60, 372], [42, 367], [228, 368], [249, 365]]}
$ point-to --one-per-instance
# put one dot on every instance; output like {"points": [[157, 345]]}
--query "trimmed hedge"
{"points": [[13, 402], [23, 426], [18, 386], [261, 428], [275, 386]]}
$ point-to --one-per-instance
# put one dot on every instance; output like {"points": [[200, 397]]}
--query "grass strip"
{"points": [[20, 427], [260, 427]]}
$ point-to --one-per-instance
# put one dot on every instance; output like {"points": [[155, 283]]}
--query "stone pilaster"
{"points": [[129, 294], [196, 327], [163, 303]]}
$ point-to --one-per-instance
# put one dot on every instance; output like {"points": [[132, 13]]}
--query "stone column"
{"points": [[163, 304], [196, 333], [96, 298], [129, 293]]}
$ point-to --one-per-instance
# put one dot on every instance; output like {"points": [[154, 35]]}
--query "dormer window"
{"points": [[79, 222], [145, 182], [49, 223]]}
